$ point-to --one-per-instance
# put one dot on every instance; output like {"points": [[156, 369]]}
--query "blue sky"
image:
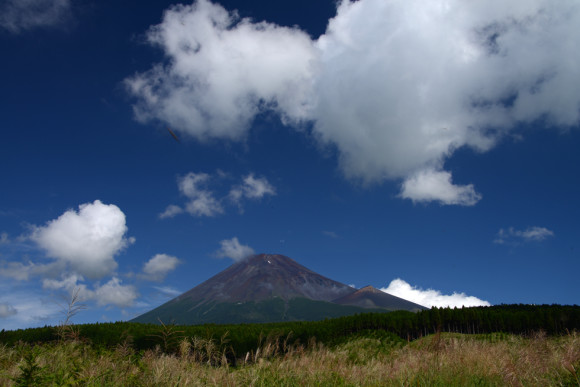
{"points": [[425, 148]]}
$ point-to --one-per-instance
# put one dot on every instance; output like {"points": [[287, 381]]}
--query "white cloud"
{"points": [[171, 211], [203, 202], [430, 297], [530, 234], [19, 15], [68, 282], [222, 71], [4, 238], [87, 240], [535, 233], [394, 86], [257, 188], [159, 266], [7, 310], [430, 185], [33, 308], [231, 248], [22, 272], [252, 188], [330, 234], [404, 84], [113, 293], [84, 244]]}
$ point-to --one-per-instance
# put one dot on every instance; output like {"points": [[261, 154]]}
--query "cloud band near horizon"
{"points": [[430, 297]]}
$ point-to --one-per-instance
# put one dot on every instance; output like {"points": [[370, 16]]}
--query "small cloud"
{"points": [[34, 307], [431, 297], [113, 293], [231, 248], [19, 15], [7, 310], [201, 201], [171, 211], [431, 185], [536, 233], [531, 234], [4, 240], [252, 188], [330, 234], [159, 266], [23, 272]]}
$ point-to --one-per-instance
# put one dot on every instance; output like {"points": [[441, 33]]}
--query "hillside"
{"points": [[271, 288]]}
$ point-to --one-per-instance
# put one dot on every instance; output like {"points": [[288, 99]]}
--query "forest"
{"points": [[242, 338]]}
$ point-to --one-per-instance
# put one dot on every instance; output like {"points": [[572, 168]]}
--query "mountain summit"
{"points": [[268, 288], [263, 276]]}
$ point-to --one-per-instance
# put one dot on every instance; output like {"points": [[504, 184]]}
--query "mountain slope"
{"points": [[370, 297], [264, 276], [265, 288]]}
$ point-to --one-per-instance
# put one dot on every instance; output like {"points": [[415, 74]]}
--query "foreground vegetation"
{"points": [[369, 358], [539, 345]]}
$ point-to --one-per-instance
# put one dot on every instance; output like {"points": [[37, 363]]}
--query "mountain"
{"points": [[269, 288], [370, 297], [264, 276]]}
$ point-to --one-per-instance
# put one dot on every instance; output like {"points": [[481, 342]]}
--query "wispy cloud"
{"points": [[251, 188], [24, 271], [201, 201], [531, 234], [20, 15], [31, 307], [168, 290], [171, 211], [233, 249], [460, 65], [4, 238], [431, 297], [113, 292], [157, 268], [330, 234], [7, 310]]}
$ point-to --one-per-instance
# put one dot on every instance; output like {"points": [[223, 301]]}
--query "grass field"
{"points": [[366, 359]]}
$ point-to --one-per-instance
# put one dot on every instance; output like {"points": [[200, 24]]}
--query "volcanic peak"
{"points": [[264, 276]]}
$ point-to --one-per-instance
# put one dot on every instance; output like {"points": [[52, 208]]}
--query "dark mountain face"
{"points": [[269, 288], [265, 276], [370, 297]]}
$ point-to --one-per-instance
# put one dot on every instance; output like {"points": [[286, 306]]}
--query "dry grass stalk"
{"points": [[444, 359]]}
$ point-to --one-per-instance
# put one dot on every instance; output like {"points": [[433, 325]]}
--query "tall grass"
{"points": [[440, 359]]}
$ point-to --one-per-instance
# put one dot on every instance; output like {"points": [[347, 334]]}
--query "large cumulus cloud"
{"points": [[87, 240], [222, 72], [394, 86]]}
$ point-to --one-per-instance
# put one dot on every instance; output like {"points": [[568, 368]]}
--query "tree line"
{"points": [[242, 338]]}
